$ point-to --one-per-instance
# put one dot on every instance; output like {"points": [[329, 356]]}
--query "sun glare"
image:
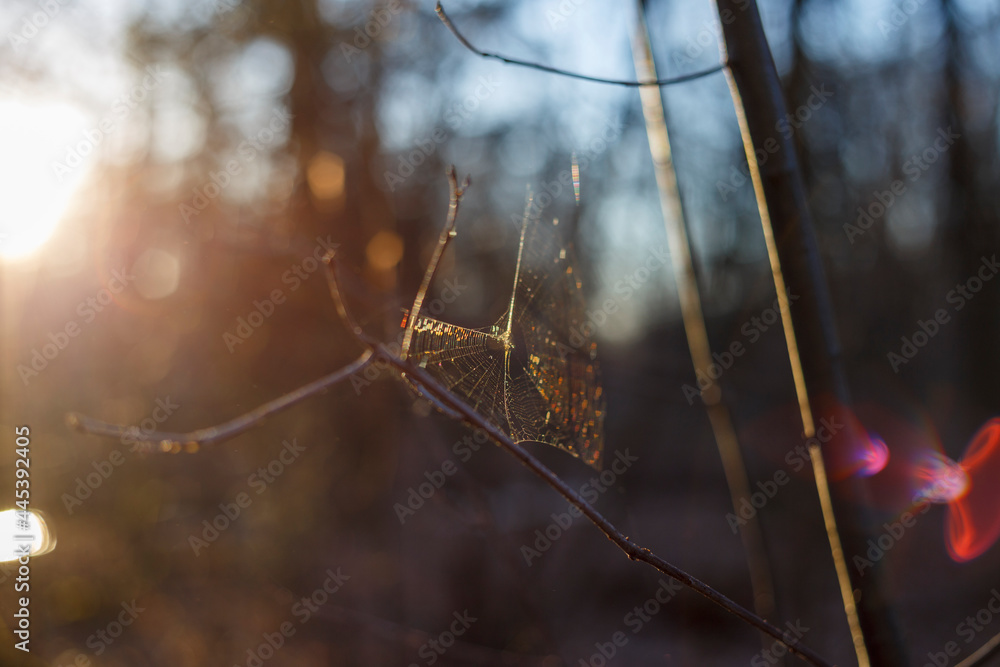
{"points": [[14, 536], [34, 139]]}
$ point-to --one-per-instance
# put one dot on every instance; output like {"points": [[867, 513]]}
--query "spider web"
{"points": [[533, 374]]}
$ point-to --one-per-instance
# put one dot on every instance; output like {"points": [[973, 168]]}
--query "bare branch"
{"points": [[695, 328], [814, 352], [366, 341], [190, 442], [333, 281], [447, 234], [634, 552], [573, 75], [983, 652], [451, 405]]}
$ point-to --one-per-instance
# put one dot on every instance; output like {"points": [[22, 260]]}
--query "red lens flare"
{"points": [[920, 472], [939, 479], [848, 448], [917, 460], [874, 457], [973, 523]]}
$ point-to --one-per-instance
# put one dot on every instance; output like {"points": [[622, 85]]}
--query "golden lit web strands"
{"points": [[469, 362], [533, 374], [566, 408]]}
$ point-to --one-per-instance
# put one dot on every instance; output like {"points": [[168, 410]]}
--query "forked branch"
{"points": [[471, 418], [447, 234], [454, 407]]}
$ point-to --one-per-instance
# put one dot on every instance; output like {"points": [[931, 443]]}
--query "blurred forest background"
{"points": [[206, 149]]}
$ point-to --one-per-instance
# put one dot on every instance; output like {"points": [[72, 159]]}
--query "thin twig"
{"points": [[983, 652], [573, 75], [447, 234], [333, 281], [174, 442], [810, 333], [695, 328], [430, 387], [445, 399], [632, 550], [336, 293]]}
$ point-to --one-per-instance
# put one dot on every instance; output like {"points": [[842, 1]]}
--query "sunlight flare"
{"points": [[35, 137], [13, 535]]}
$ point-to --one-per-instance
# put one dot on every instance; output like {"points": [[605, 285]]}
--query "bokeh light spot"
{"points": [[384, 251], [326, 176], [157, 273]]}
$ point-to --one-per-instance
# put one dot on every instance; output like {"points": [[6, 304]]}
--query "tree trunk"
{"points": [[810, 332]]}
